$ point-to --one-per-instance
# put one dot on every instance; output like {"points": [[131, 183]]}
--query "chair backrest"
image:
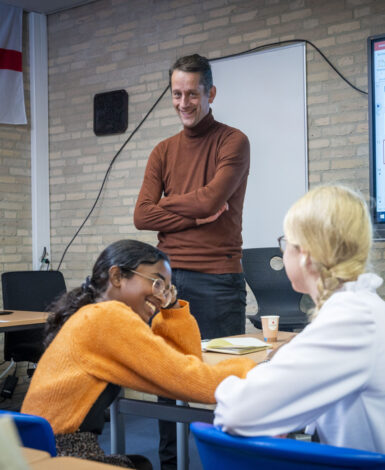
{"points": [[34, 431], [266, 277], [218, 449], [28, 290], [31, 290], [270, 285]]}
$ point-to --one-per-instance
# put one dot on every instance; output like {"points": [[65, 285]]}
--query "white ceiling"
{"points": [[46, 6]]}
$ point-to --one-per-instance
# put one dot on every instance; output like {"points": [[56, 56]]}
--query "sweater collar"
{"points": [[201, 128]]}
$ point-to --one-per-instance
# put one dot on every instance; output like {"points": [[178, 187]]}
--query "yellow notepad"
{"points": [[243, 345]]}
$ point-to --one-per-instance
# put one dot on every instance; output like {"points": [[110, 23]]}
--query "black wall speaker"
{"points": [[111, 112]]}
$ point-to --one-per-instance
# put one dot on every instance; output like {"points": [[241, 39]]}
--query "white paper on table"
{"points": [[234, 343], [246, 342]]}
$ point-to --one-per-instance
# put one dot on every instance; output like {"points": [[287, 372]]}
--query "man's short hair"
{"points": [[195, 63]]}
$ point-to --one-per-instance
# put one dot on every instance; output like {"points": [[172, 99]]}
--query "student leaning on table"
{"points": [[99, 339], [330, 377]]}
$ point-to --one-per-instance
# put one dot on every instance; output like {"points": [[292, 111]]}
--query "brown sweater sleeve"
{"points": [[148, 215], [233, 164], [118, 347]]}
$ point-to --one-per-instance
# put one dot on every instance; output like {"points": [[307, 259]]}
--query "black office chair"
{"points": [[266, 276], [28, 290]]}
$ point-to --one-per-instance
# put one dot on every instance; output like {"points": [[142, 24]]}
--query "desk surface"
{"points": [[40, 460], [259, 356], [34, 455], [70, 463], [22, 318], [122, 406]]}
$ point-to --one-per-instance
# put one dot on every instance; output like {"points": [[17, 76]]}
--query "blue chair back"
{"points": [[34, 431], [218, 449]]}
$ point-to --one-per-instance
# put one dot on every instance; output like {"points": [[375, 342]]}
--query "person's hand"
{"points": [[174, 302], [214, 217]]}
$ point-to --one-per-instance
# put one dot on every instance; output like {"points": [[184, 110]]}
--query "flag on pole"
{"points": [[12, 108]]}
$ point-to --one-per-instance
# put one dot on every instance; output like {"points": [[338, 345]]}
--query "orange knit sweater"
{"points": [[108, 342]]}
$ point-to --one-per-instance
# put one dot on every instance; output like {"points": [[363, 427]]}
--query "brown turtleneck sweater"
{"points": [[189, 176]]}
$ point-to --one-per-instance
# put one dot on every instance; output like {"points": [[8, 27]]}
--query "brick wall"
{"points": [[113, 44], [117, 44]]}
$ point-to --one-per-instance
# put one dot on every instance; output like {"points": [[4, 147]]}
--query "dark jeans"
{"points": [[218, 302]]}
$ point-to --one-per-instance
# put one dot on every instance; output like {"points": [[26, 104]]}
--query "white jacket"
{"points": [[330, 377]]}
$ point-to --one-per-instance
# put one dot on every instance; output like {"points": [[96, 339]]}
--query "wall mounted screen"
{"points": [[376, 85], [264, 95]]}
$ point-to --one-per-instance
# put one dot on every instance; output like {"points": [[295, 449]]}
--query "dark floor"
{"points": [[142, 438]]}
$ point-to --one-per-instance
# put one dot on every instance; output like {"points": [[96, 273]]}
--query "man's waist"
{"points": [[210, 265], [195, 251]]}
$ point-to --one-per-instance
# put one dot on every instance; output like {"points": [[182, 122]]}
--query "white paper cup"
{"points": [[270, 325]]}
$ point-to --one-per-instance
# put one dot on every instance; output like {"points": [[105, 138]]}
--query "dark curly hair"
{"points": [[127, 254]]}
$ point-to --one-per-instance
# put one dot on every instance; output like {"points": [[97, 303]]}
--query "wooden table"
{"points": [[33, 455], [181, 414], [21, 320], [213, 358], [40, 460], [70, 463]]}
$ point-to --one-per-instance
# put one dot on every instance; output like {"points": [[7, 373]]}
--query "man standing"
{"points": [[192, 194]]}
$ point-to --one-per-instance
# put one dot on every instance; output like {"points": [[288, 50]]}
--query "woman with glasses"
{"points": [[330, 377], [99, 339]]}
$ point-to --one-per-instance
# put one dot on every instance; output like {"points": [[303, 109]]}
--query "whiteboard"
{"points": [[264, 95]]}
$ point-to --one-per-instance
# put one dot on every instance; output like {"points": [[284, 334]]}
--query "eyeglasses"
{"points": [[159, 288], [282, 243]]}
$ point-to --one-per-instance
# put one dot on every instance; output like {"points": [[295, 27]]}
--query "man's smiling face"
{"points": [[189, 98]]}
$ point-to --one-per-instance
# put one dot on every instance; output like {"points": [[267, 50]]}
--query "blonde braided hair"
{"points": [[332, 224]]}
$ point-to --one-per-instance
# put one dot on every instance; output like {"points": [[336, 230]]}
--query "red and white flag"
{"points": [[12, 108]]}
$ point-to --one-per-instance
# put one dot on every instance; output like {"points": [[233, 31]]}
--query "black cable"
{"points": [[249, 51], [292, 41], [109, 169]]}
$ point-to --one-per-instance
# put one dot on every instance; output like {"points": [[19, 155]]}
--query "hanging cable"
{"points": [[108, 171], [249, 51], [294, 41]]}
